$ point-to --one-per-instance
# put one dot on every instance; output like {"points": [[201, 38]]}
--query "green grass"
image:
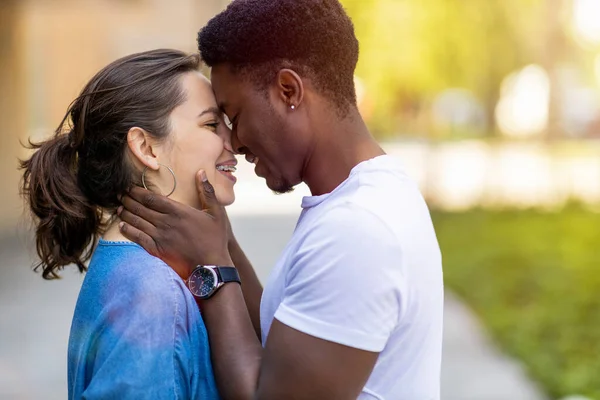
{"points": [[534, 279]]}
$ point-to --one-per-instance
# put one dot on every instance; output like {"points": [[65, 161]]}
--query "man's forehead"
{"points": [[222, 82], [221, 73], [229, 87]]}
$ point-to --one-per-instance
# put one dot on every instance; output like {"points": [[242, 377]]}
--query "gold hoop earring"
{"points": [[170, 170]]}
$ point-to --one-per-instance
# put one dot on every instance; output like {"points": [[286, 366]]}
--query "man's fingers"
{"points": [[139, 210], [206, 192], [137, 222], [152, 201], [139, 237]]}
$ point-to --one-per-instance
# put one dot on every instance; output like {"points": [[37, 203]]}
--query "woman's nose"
{"points": [[225, 134], [227, 145]]}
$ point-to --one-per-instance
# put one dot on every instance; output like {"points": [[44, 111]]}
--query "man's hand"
{"points": [[180, 235]]}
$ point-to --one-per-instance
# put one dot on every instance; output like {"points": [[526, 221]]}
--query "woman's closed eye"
{"points": [[213, 126]]}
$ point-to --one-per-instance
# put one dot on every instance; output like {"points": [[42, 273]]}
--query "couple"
{"points": [[170, 307]]}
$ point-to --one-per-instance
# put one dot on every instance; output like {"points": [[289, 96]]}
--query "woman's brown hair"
{"points": [[78, 174]]}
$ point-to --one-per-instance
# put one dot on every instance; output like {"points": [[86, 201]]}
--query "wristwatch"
{"points": [[205, 280]]}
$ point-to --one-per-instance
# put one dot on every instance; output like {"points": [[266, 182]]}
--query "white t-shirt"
{"points": [[363, 269]]}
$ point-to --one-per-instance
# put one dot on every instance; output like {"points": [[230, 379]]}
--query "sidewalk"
{"points": [[473, 368]]}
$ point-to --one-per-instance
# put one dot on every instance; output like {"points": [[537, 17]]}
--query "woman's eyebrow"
{"points": [[212, 110]]}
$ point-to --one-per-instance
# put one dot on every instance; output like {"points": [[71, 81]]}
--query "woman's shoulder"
{"points": [[128, 260], [134, 310], [125, 272]]}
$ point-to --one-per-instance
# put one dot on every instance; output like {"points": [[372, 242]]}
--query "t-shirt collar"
{"points": [[373, 163]]}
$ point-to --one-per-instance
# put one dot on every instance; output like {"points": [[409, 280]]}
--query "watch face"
{"points": [[202, 282]]}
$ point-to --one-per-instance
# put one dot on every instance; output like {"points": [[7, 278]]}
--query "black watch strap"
{"points": [[229, 274]]}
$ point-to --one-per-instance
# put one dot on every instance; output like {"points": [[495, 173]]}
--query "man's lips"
{"points": [[251, 158], [260, 169]]}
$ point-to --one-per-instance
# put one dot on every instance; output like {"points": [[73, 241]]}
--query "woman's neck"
{"points": [[112, 233]]}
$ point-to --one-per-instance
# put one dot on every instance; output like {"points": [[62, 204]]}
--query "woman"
{"points": [[149, 119]]}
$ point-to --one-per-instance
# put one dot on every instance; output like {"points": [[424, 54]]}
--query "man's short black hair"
{"points": [[313, 37]]}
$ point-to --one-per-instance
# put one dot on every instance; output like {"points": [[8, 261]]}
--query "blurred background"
{"points": [[492, 105]]}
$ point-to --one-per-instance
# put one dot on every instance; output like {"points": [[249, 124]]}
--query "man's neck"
{"points": [[341, 144]]}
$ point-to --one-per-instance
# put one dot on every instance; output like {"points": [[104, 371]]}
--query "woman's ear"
{"points": [[143, 147]]}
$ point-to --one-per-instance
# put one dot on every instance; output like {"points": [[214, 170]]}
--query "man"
{"points": [[353, 308]]}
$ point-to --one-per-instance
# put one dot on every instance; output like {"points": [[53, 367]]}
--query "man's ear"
{"points": [[290, 88], [141, 144]]}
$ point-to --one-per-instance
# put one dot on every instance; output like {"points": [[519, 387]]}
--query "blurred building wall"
{"points": [[12, 110], [50, 49]]}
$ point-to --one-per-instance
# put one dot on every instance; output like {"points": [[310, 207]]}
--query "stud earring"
{"points": [[293, 107]]}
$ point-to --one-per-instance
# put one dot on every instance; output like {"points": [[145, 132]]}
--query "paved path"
{"points": [[35, 316]]}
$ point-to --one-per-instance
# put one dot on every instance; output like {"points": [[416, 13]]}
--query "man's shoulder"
{"points": [[391, 200], [389, 207], [349, 213], [346, 227]]}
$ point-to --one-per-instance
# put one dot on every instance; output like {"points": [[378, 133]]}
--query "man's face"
{"points": [[261, 129]]}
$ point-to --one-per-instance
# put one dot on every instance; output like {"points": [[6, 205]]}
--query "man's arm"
{"points": [[251, 287], [294, 365], [235, 349], [302, 367]]}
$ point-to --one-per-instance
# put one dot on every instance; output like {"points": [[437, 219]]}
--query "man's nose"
{"points": [[238, 147]]}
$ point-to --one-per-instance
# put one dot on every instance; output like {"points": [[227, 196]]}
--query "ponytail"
{"points": [[67, 225], [72, 179]]}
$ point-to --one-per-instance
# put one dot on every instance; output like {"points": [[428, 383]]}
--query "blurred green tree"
{"points": [[413, 49]]}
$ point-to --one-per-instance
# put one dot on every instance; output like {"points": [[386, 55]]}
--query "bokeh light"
{"points": [[598, 69], [523, 107], [586, 18]]}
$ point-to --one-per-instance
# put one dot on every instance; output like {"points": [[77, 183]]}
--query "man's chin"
{"points": [[279, 186], [283, 191]]}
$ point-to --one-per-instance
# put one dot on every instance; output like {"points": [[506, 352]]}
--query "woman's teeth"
{"points": [[226, 168]]}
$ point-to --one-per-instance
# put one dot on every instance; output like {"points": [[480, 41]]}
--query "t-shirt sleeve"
{"points": [[142, 344], [346, 283]]}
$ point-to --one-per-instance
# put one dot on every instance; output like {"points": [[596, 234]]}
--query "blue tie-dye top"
{"points": [[137, 332]]}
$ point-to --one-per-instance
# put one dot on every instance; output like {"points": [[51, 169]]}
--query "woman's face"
{"points": [[199, 139]]}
